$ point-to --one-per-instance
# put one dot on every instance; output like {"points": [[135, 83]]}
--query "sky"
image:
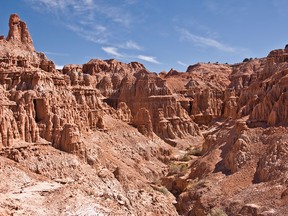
{"points": [[161, 34]]}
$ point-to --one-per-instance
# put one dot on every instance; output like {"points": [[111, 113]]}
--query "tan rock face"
{"points": [[149, 91], [201, 90], [8, 130], [47, 113], [133, 85], [272, 164], [143, 122], [124, 112], [18, 32], [17, 50], [237, 114], [249, 150], [70, 141], [246, 145]]}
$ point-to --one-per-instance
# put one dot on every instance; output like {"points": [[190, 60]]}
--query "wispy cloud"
{"points": [[94, 20], [98, 21], [182, 63], [97, 33], [112, 51], [132, 45], [114, 13], [150, 59], [205, 41], [55, 53], [127, 45]]}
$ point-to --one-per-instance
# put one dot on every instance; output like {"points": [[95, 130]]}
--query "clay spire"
{"points": [[18, 32]]}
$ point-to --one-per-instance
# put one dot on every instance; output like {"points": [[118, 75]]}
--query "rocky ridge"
{"points": [[115, 134]]}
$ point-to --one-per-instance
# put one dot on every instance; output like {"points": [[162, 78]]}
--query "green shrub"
{"points": [[185, 157], [195, 151], [217, 212], [177, 168]]}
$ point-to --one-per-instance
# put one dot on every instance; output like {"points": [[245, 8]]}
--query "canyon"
{"points": [[110, 138]]}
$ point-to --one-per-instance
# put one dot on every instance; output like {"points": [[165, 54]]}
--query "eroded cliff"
{"points": [[105, 137]]}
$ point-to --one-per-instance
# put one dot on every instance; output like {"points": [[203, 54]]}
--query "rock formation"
{"points": [[18, 33], [245, 146], [47, 113], [106, 137], [139, 89]]}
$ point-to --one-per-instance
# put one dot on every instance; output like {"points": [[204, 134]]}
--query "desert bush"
{"points": [[186, 157], [195, 151], [177, 168], [217, 212]]}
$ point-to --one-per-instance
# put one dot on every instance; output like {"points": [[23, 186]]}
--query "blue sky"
{"points": [[161, 34]]}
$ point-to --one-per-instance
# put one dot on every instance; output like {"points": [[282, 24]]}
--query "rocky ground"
{"points": [[109, 138]]}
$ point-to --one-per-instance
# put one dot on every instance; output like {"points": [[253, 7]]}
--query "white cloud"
{"points": [[116, 14], [132, 45], [205, 41], [150, 59], [97, 33], [94, 20], [58, 6], [112, 51], [182, 64], [55, 53], [60, 67]]}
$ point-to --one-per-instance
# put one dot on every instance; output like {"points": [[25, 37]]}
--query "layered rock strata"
{"points": [[239, 111]]}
